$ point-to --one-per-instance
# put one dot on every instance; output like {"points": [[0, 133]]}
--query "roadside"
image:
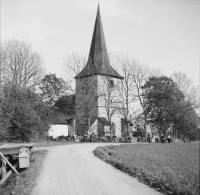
{"points": [[26, 181], [74, 170]]}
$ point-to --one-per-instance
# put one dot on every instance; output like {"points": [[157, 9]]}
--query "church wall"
{"points": [[94, 127], [101, 103], [86, 102], [102, 89], [116, 117]]}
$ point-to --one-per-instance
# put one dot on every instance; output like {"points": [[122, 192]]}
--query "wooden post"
{"points": [[3, 167]]}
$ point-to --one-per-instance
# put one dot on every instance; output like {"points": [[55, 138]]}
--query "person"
{"points": [[162, 138], [149, 138], [156, 140], [91, 137], [169, 139], [138, 138]]}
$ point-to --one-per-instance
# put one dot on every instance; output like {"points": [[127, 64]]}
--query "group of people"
{"points": [[92, 137], [163, 139]]}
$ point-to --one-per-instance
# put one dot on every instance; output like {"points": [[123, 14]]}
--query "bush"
{"points": [[22, 114]]}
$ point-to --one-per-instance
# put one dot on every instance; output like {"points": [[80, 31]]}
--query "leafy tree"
{"points": [[66, 104], [52, 88], [161, 95], [186, 118], [186, 121], [21, 114]]}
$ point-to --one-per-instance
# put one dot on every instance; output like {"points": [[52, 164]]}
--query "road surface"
{"points": [[74, 170]]}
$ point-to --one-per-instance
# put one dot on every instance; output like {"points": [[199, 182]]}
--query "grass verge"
{"points": [[169, 168], [26, 181]]}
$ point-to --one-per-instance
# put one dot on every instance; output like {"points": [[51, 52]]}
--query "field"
{"points": [[26, 181], [169, 168]]}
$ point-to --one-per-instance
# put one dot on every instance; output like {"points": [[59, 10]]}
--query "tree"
{"points": [[186, 122], [20, 65], [72, 65], [52, 88], [161, 96], [21, 114], [127, 88], [66, 104], [186, 118], [109, 97], [140, 75], [191, 92]]}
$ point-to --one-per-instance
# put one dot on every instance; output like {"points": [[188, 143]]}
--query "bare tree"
{"points": [[127, 88], [2, 65], [109, 98], [140, 75], [21, 65], [190, 91], [72, 64]]}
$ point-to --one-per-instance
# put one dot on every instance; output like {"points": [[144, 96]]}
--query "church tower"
{"points": [[95, 91]]}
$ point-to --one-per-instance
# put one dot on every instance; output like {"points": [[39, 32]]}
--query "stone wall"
{"points": [[91, 98], [86, 103]]}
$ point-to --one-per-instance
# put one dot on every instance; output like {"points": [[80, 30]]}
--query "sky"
{"points": [[162, 34]]}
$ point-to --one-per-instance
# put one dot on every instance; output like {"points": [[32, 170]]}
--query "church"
{"points": [[98, 108]]}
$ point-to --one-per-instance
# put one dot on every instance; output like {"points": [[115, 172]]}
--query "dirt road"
{"points": [[74, 170]]}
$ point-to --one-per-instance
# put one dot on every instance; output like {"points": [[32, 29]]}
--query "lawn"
{"points": [[170, 168], [26, 181]]}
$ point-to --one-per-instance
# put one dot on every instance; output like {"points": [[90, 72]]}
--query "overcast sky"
{"points": [[163, 34]]}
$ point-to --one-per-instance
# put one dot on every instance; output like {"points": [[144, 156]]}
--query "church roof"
{"points": [[59, 118], [98, 60], [104, 121]]}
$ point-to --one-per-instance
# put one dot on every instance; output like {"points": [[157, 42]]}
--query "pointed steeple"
{"points": [[98, 60]]}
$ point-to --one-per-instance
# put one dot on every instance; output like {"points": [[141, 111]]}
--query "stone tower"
{"points": [[96, 107]]}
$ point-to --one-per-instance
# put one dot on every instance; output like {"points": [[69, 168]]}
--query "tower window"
{"points": [[111, 83]]}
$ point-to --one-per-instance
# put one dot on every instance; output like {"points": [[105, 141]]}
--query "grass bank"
{"points": [[26, 181], [169, 168]]}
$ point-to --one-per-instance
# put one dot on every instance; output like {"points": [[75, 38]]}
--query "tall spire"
{"points": [[98, 60]]}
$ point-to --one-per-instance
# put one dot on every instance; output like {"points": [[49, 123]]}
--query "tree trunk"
{"points": [[89, 132], [110, 129], [145, 127]]}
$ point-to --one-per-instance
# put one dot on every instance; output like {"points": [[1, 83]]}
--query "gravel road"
{"points": [[74, 170]]}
